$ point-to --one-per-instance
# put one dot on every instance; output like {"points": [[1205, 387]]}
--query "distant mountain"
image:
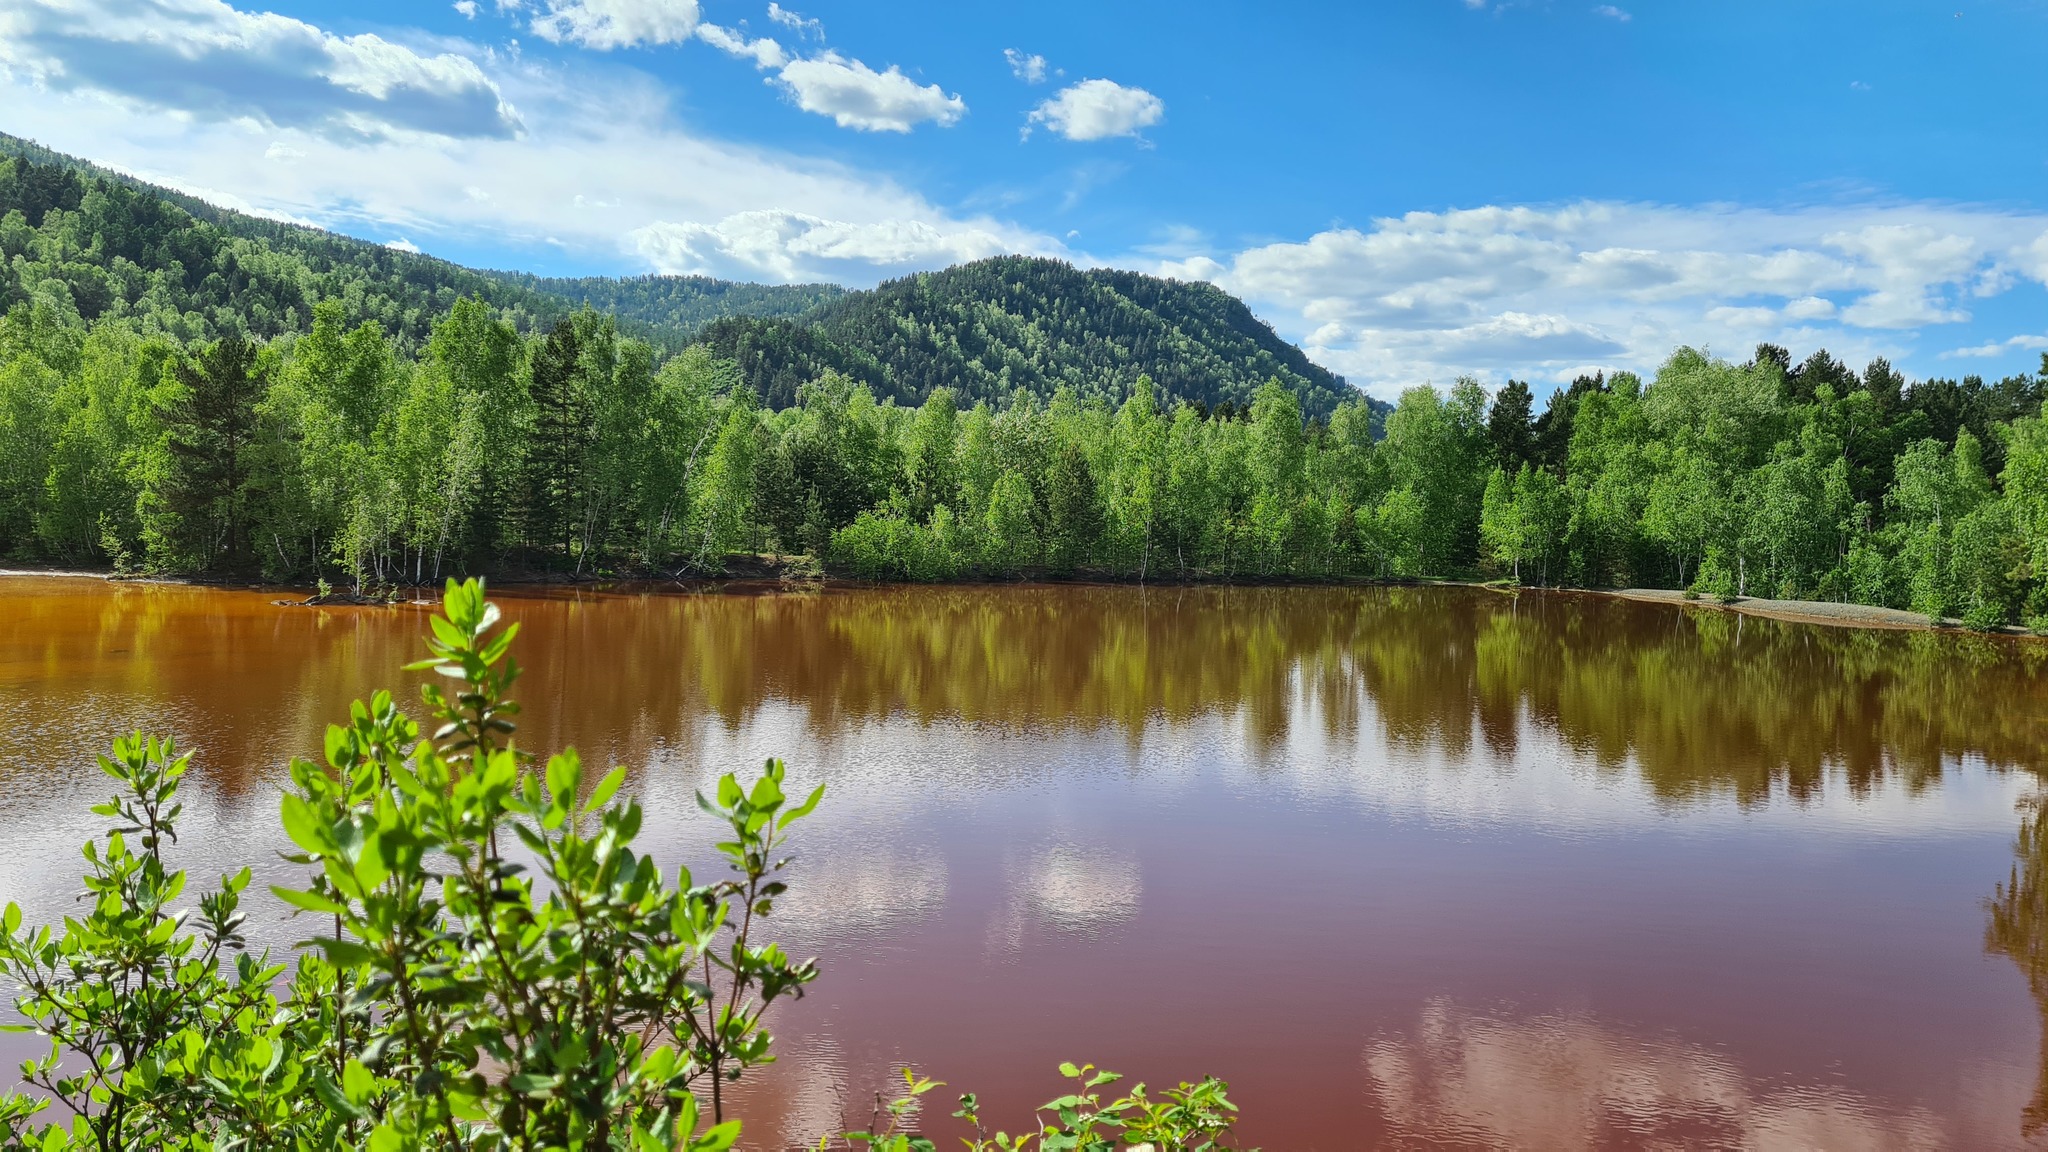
{"points": [[988, 328], [111, 246]]}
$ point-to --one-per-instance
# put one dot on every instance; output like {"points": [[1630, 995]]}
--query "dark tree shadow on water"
{"points": [[2018, 928]]}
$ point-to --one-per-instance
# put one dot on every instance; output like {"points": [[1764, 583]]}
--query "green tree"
{"points": [[198, 504]]}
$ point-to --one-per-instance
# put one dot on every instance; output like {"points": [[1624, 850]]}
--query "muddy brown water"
{"points": [[1429, 866]]}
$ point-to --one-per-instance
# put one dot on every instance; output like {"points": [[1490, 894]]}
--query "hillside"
{"points": [[988, 328], [120, 247], [678, 305], [106, 246]]}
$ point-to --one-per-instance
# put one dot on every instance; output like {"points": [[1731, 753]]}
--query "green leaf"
{"points": [[346, 953], [802, 810], [302, 825], [448, 633], [311, 902], [357, 1081], [718, 1138], [607, 788], [530, 1084]]}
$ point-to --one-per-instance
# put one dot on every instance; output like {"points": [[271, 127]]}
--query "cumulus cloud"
{"points": [[1030, 69], [764, 52], [1098, 110], [604, 178], [2023, 343], [206, 59], [608, 24], [795, 22], [856, 96], [1548, 292], [851, 93], [782, 245]]}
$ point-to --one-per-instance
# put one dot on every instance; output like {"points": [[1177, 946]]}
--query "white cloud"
{"points": [[1030, 69], [795, 22], [208, 60], [654, 193], [765, 53], [1612, 13], [1810, 308], [856, 96], [402, 245], [609, 24], [1547, 292], [2000, 347], [851, 93], [466, 7], [787, 246], [1099, 109]]}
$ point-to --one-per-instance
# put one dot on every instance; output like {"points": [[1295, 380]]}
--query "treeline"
{"points": [[336, 455]]}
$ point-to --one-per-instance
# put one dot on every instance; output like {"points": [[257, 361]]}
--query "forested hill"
{"points": [[988, 328], [100, 245], [105, 245], [678, 307]]}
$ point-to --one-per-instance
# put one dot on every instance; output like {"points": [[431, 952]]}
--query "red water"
{"points": [[1407, 867]]}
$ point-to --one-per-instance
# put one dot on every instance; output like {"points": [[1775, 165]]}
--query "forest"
{"points": [[107, 246], [336, 455], [988, 328], [189, 397]]}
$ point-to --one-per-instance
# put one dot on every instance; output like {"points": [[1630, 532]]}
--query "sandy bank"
{"points": [[1803, 611]]}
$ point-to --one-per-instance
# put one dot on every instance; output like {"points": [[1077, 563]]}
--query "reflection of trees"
{"points": [[1694, 700], [2018, 928], [1466, 1078]]}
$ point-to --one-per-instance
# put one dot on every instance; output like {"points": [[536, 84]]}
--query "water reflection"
{"points": [[1736, 865], [1569, 1081], [1697, 701], [1066, 889], [863, 890], [2018, 929]]}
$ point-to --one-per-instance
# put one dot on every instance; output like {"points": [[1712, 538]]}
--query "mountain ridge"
{"points": [[197, 270]]}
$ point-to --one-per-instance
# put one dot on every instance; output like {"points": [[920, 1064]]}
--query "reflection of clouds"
{"points": [[852, 892], [1070, 890], [1079, 890], [798, 1098], [1569, 1082]]}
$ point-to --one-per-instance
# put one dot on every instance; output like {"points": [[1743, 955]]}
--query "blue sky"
{"points": [[1412, 189]]}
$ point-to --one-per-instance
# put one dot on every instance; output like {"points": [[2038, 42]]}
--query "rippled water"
{"points": [[1430, 866]]}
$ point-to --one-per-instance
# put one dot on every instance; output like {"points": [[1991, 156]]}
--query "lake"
{"points": [[1430, 866]]}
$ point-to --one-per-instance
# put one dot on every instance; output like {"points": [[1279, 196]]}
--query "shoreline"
{"points": [[1822, 612]]}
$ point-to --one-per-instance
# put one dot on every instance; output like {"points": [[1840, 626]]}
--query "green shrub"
{"points": [[603, 999], [889, 546], [450, 997]]}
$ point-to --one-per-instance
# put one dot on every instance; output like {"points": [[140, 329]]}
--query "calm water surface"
{"points": [[1427, 866]]}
